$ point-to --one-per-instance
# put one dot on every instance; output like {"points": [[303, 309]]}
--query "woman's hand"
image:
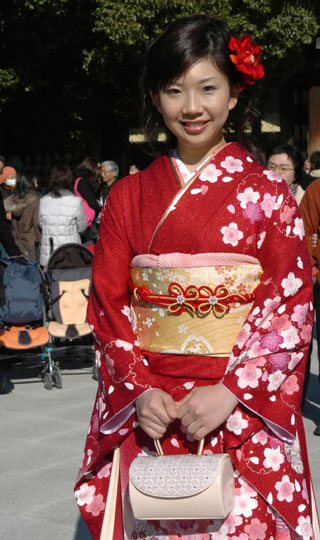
{"points": [[156, 410], [205, 409]]}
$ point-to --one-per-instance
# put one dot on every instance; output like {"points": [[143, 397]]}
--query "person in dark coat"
{"points": [[6, 237], [23, 205]]}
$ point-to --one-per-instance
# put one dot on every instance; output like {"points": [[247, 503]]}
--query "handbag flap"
{"points": [[175, 476]]}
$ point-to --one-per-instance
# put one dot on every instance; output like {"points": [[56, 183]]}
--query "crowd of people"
{"points": [[39, 215], [32, 205]]}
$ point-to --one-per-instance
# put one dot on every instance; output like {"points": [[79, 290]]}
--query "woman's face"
{"points": [[195, 108], [284, 166], [11, 180]]}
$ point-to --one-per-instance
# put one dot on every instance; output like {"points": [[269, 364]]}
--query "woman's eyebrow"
{"points": [[207, 79]]}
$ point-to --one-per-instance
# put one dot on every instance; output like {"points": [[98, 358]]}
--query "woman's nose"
{"points": [[192, 103]]}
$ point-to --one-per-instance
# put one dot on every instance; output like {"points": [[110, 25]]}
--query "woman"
{"points": [[204, 216], [87, 177], [23, 206], [8, 180], [61, 215], [287, 161]]}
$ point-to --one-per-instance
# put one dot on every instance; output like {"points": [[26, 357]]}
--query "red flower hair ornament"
{"points": [[246, 59]]}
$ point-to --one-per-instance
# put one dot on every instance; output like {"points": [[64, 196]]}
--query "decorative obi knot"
{"points": [[193, 310], [200, 300]]}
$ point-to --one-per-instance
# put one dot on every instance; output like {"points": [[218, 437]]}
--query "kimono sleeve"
{"points": [[123, 371], [267, 365]]}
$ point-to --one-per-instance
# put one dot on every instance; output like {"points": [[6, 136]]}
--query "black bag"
{"points": [[21, 284]]}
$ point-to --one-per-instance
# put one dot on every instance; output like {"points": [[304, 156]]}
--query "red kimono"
{"points": [[231, 206]]}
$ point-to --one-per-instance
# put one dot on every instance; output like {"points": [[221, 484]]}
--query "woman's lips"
{"points": [[194, 127]]}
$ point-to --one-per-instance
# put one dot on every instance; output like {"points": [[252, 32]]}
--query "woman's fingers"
{"points": [[156, 410], [154, 433], [158, 418], [205, 409], [182, 408], [201, 433], [187, 419]]}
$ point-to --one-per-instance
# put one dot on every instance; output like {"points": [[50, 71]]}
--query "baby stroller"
{"points": [[23, 330], [69, 278]]}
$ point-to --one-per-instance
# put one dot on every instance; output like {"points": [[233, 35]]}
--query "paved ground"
{"points": [[42, 435]]}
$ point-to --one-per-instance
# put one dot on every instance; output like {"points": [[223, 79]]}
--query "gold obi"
{"points": [[189, 311]]}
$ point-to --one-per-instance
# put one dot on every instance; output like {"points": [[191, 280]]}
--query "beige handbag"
{"points": [[181, 486]]}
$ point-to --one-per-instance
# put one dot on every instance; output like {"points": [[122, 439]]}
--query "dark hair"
{"points": [[315, 160], [182, 44], [24, 185], [60, 178], [88, 169], [293, 153]]}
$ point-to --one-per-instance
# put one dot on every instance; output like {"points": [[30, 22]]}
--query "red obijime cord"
{"points": [[194, 299]]}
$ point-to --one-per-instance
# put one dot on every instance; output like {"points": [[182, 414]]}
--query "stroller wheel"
{"points": [[57, 378], [47, 381]]}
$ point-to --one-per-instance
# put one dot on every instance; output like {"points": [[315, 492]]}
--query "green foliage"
{"points": [[8, 81], [263, 7], [280, 28], [293, 26], [8, 78], [57, 7], [134, 23]]}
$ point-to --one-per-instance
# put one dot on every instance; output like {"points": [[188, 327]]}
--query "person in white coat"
{"points": [[61, 214]]}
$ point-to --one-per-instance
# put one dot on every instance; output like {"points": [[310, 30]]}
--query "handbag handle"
{"points": [[159, 450]]}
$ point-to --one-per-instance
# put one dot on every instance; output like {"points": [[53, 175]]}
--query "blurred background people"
{"points": [[109, 175], [315, 164], [86, 185], [287, 161], [61, 214], [23, 205], [109, 172], [8, 247], [2, 163], [8, 180], [306, 164], [306, 178], [133, 169]]}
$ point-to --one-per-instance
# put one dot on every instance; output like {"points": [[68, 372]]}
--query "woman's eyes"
{"points": [[173, 91], [177, 91], [208, 88]]}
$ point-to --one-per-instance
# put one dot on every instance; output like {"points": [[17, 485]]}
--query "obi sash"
{"points": [[191, 304]]}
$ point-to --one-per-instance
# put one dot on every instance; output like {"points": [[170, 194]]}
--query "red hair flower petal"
{"points": [[246, 58]]}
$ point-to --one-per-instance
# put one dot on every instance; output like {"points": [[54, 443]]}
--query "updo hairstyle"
{"points": [[182, 44]]}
